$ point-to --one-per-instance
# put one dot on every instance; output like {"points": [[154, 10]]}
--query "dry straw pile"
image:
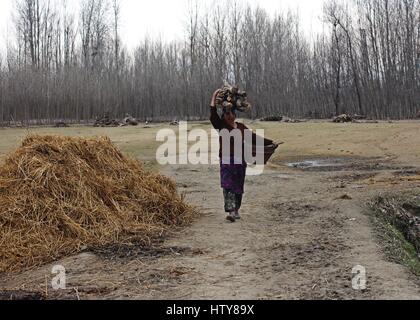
{"points": [[60, 194]]}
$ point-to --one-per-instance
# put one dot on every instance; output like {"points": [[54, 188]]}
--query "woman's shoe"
{"points": [[231, 217], [237, 216]]}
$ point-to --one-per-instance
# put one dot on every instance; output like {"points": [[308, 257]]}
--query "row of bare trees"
{"points": [[73, 66]]}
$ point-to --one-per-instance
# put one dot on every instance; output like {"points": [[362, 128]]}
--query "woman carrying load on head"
{"points": [[232, 166]]}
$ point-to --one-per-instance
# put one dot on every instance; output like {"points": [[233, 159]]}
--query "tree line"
{"points": [[62, 65]]}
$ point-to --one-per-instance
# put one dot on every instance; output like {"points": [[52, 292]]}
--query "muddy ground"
{"points": [[303, 229]]}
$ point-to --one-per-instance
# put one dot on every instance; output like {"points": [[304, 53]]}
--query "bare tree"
{"points": [[59, 67]]}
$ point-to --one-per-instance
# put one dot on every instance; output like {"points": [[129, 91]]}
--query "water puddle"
{"points": [[319, 163], [348, 164]]}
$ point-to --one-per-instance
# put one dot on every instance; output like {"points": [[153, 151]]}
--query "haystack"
{"points": [[60, 194]]}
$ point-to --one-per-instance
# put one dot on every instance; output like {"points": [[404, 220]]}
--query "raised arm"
{"points": [[215, 120]]}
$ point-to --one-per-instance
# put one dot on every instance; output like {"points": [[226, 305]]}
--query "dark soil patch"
{"points": [[294, 209], [353, 177], [132, 252], [21, 295], [407, 173]]}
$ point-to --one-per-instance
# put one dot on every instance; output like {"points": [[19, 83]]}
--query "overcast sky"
{"points": [[167, 17]]}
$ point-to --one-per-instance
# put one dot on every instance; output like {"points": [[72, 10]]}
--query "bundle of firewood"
{"points": [[106, 121], [129, 121], [343, 118], [231, 98]]}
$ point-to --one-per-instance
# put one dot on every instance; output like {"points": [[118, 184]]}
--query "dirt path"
{"points": [[296, 240]]}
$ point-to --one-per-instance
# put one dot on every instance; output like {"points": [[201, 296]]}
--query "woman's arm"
{"points": [[215, 120]]}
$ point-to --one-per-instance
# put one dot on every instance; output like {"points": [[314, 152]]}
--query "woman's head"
{"points": [[229, 116]]}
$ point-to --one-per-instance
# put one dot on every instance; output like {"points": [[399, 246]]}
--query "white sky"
{"points": [[166, 18]]}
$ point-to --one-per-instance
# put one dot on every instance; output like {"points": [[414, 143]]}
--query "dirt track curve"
{"points": [[299, 239]]}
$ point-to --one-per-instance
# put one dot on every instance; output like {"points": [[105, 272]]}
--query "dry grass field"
{"points": [[397, 140]]}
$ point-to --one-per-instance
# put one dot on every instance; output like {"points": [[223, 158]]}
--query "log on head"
{"points": [[232, 98]]}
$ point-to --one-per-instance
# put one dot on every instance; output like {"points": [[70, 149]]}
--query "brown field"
{"points": [[299, 237], [395, 140]]}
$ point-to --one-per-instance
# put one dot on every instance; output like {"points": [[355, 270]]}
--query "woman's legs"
{"points": [[230, 201], [238, 199], [233, 202], [238, 205], [233, 180]]}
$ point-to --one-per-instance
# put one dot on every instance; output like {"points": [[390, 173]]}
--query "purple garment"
{"points": [[233, 177]]}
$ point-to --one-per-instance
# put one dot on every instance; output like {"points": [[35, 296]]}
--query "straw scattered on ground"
{"points": [[59, 195]]}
